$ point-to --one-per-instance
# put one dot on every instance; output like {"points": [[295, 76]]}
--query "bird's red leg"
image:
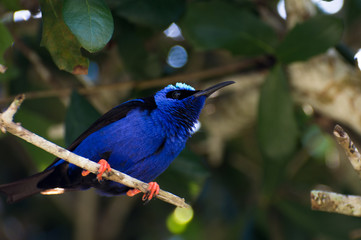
{"points": [[104, 167], [153, 190]]}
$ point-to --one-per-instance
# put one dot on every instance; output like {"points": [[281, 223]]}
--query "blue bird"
{"points": [[140, 137]]}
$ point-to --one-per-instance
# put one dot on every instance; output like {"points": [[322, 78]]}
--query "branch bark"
{"points": [[335, 202], [349, 147], [7, 125]]}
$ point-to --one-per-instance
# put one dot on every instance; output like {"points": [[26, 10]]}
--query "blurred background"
{"points": [[263, 144]]}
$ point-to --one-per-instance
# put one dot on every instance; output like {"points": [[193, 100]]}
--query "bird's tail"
{"points": [[26, 187]]}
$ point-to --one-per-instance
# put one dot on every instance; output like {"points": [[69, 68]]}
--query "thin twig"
{"points": [[335, 202], [8, 115], [7, 124], [186, 77]]}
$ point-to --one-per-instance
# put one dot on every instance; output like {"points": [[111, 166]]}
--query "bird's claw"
{"points": [[153, 191], [104, 167]]}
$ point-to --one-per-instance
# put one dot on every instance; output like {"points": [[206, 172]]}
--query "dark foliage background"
{"points": [[247, 172]]}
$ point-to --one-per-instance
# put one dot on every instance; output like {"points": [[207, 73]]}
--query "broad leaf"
{"points": [[277, 128], [155, 13], [212, 25], [91, 22], [310, 38], [80, 115], [64, 48], [5, 41]]}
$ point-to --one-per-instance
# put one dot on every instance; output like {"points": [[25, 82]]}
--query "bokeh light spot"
{"points": [[37, 15], [21, 15], [177, 57], [178, 220], [328, 7], [183, 215], [331, 7], [358, 58], [173, 31], [175, 227], [281, 9]]}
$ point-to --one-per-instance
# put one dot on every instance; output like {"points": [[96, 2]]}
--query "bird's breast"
{"points": [[137, 145]]}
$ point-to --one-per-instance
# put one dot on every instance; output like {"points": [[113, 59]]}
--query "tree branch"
{"points": [[350, 149], [259, 62], [7, 124], [335, 202]]}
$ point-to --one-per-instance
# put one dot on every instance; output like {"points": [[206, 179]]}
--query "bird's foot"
{"points": [[104, 167], [133, 192], [153, 191]]}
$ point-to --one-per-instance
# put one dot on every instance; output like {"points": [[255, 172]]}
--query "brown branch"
{"points": [[7, 124], [186, 77]]}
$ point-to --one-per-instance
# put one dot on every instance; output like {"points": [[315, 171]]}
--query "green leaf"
{"points": [[310, 38], [91, 22], [155, 13], [11, 5], [277, 128], [64, 48], [80, 115], [5, 41], [212, 25]]}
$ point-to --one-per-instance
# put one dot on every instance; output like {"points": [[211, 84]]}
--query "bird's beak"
{"points": [[207, 92]]}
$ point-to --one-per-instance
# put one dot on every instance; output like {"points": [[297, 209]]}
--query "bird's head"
{"points": [[180, 105]]}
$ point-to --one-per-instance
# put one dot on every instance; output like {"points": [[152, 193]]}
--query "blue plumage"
{"points": [[140, 137]]}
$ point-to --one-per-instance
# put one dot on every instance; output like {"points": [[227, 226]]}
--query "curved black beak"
{"points": [[207, 92]]}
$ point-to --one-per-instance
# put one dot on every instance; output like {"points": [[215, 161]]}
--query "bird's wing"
{"points": [[57, 176], [111, 116]]}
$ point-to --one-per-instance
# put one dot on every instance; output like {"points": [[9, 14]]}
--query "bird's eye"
{"points": [[176, 94], [179, 94]]}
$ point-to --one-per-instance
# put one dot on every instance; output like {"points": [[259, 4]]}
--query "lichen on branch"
{"points": [[335, 202]]}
